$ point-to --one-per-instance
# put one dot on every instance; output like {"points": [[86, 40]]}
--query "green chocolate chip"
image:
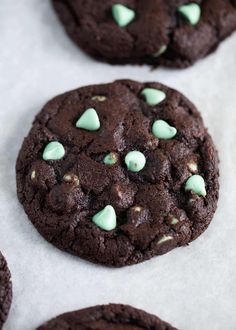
{"points": [[164, 239], [122, 15], [106, 218], [196, 184], [135, 161], [192, 12], [53, 151], [110, 159], [89, 120], [153, 96], [162, 130], [160, 51], [174, 221]]}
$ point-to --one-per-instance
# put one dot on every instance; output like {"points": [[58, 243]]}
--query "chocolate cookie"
{"points": [[5, 290], [119, 173], [112, 317], [167, 32]]}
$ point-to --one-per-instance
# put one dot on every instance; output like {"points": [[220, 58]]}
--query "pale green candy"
{"points": [[89, 120], [135, 161], [106, 218], [162, 130], [53, 151], [110, 159], [174, 221], [153, 96], [196, 184], [192, 12], [160, 51], [122, 15]]}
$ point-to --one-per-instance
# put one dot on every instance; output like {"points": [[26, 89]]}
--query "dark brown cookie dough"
{"points": [[159, 33], [5, 290], [157, 208], [107, 317]]}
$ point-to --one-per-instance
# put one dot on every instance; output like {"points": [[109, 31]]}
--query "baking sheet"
{"points": [[193, 287]]}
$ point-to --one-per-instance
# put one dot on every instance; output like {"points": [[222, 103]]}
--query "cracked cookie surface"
{"points": [[112, 317], [104, 211], [5, 290], [158, 33]]}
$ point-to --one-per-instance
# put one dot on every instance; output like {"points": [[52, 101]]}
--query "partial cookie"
{"points": [[119, 173], [5, 290], [112, 317], [167, 32]]}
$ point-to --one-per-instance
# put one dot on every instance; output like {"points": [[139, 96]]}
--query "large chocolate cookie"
{"points": [[5, 290], [107, 317], [119, 173], [167, 32]]}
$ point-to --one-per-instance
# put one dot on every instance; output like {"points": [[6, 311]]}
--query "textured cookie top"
{"points": [[112, 317], [168, 32], [5, 290], [118, 173]]}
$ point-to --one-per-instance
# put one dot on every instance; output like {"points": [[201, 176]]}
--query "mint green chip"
{"points": [[192, 12], [174, 221], [153, 96], [53, 151], [135, 161], [106, 218], [162, 130], [110, 159], [89, 120], [122, 15], [196, 184]]}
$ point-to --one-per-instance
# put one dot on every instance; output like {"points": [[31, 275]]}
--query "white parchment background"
{"points": [[194, 287]]}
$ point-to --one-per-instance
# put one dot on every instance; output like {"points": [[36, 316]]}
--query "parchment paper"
{"points": [[193, 287]]}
